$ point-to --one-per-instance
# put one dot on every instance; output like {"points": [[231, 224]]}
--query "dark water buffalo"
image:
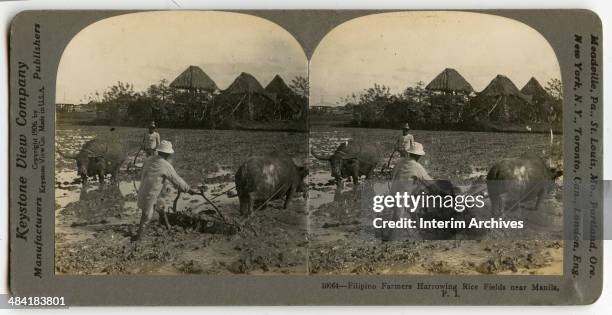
{"points": [[98, 158], [351, 160], [269, 177], [521, 179]]}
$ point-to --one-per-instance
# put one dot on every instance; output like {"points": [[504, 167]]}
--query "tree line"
{"points": [[170, 107], [426, 109]]}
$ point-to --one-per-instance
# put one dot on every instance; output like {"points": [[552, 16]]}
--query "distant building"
{"points": [[289, 105], [544, 106], [450, 81], [245, 99], [321, 109], [75, 108], [65, 107], [86, 108], [194, 79], [501, 101]]}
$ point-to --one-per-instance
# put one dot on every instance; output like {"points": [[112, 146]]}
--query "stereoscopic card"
{"points": [[306, 157]]}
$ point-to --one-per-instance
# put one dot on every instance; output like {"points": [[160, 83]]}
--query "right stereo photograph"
{"points": [[434, 138]]}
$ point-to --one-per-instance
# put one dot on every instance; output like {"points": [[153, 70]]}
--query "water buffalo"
{"points": [[351, 160], [269, 177], [98, 158], [521, 179]]}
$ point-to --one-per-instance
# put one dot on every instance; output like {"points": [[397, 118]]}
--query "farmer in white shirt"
{"points": [[404, 142], [411, 177], [157, 172], [151, 140], [409, 168]]}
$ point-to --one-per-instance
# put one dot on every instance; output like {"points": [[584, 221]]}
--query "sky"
{"points": [[402, 48], [143, 48]]}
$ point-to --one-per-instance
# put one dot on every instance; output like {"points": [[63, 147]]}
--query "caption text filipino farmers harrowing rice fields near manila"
{"points": [[94, 224]]}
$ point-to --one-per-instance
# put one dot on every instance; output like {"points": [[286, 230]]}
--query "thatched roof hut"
{"points": [[194, 78], [289, 105], [543, 102], [534, 88], [501, 85], [278, 86], [244, 99], [450, 81], [502, 101], [245, 83]]}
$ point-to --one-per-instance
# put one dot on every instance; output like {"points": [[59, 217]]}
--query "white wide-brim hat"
{"points": [[417, 149], [165, 146]]}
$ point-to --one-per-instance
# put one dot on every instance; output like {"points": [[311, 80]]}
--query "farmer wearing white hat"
{"points": [[409, 176], [157, 172], [408, 167], [405, 141], [151, 140]]}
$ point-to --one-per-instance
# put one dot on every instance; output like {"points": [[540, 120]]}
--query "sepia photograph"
{"points": [[181, 147], [207, 143], [457, 103]]}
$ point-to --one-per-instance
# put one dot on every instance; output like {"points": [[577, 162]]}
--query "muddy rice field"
{"points": [[319, 235]]}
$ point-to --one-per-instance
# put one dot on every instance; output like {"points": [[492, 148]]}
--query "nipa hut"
{"points": [[502, 101], [450, 81], [194, 79], [245, 99], [287, 104], [195, 94], [455, 91], [543, 103]]}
